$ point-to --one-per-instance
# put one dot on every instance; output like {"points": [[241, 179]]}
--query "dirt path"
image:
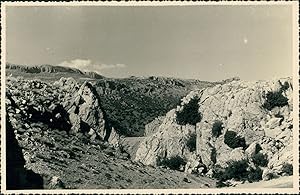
{"points": [[282, 182]]}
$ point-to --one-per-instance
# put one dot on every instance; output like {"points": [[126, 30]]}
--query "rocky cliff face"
{"points": [[240, 111]]}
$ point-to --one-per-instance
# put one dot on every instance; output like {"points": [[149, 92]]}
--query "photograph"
{"points": [[149, 97]]}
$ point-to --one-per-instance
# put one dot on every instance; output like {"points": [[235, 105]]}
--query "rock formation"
{"points": [[240, 108], [65, 105]]}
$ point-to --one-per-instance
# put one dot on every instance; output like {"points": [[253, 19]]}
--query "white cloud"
{"points": [[88, 65]]}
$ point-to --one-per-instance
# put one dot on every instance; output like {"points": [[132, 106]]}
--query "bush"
{"points": [[255, 174], [218, 172], [217, 128], [285, 86], [257, 148], [233, 140], [260, 159], [174, 162], [275, 99], [235, 170], [270, 176], [287, 168], [238, 170], [189, 113], [191, 142]]}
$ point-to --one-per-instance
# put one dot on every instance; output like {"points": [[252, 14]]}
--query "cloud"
{"points": [[88, 65]]}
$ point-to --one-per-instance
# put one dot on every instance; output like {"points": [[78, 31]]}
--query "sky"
{"points": [[206, 42]]}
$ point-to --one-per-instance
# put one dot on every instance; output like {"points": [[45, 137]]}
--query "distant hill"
{"points": [[39, 70]]}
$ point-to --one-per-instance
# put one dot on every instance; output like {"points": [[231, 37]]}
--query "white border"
{"points": [[295, 188]]}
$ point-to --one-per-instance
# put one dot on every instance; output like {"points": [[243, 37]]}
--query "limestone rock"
{"points": [[252, 149], [86, 114], [56, 183], [239, 105], [153, 126], [170, 140]]}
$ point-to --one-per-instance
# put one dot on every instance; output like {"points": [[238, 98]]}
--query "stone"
{"points": [[272, 123], [273, 133], [252, 149], [56, 183]]}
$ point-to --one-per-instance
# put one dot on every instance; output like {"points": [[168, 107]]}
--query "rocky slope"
{"points": [[129, 103], [58, 136], [240, 120]]}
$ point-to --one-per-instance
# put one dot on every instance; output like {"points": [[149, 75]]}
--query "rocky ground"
{"points": [[68, 162], [64, 140], [89, 131]]}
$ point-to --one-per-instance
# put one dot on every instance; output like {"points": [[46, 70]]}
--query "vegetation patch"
{"points": [[217, 128], [255, 174], [233, 140], [287, 168], [189, 114], [260, 159], [191, 142], [238, 170], [275, 98], [174, 162]]}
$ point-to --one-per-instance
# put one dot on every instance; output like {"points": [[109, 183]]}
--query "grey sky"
{"points": [[204, 42]]}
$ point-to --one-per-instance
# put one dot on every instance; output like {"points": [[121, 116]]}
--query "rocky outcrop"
{"points": [[170, 140], [240, 107], [85, 112], [153, 126], [65, 105]]}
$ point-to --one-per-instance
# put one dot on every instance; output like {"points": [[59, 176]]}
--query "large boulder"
{"points": [[87, 116]]}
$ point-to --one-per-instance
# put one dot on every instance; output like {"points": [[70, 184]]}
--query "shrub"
{"points": [[285, 86], [260, 159], [217, 128], [233, 140], [287, 168], [189, 113], [255, 174], [218, 172], [236, 170], [257, 148], [270, 176], [174, 162], [191, 142], [275, 99]]}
